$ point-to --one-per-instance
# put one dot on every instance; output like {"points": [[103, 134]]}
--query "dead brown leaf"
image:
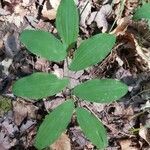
{"points": [[63, 143], [42, 64], [122, 25], [50, 105], [49, 14], [100, 17], [145, 134], [84, 9], [127, 145], [23, 109]]}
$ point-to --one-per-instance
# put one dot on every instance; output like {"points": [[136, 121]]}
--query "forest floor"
{"points": [[127, 120]]}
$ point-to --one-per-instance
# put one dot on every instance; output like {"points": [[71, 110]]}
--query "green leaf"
{"points": [[142, 12], [39, 85], [92, 128], [101, 91], [43, 44], [67, 21], [54, 124], [92, 51]]}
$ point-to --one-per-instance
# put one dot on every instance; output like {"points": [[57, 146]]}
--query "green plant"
{"points": [[142, 12], [40, 85]]}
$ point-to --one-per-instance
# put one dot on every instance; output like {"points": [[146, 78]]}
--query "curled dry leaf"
{"points": [[58, 71], [49, 14], [143, 53], [137, 58], [50, 105], [42, 64], [23, 109], [144, 133], [85, 9], [100, 17], [6, 64], [54, 4], [127, 145], [18, 16], [18, 10], [122, 25], [63, 143]]}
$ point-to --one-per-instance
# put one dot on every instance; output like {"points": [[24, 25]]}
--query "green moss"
{"points": [[5, 105]]}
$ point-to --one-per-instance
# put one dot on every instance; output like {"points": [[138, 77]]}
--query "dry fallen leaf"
{"points": [[74, 76], [134, 56], [5, 142], [6, 64], [54, 4], [58, 71], [49, 14], [127, 145], [25, 3], [84, 9], [100, 17], [145, 134], [79, 138], [143, 53], [23, 109], [122, 25], [63, 143], [42, 64], [50, 105], [3, 12]]}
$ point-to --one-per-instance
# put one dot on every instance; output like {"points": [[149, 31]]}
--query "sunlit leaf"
{"points": [[43, 44], [54, 124], [39, 85], [67, 21], [101, 91], [92, 51], [92, 128], [142, 12]]}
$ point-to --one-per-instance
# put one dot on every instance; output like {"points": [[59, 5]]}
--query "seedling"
{"points": [[40, 85]]}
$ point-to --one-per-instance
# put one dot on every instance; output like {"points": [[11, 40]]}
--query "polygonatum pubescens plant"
{"points": [[40, 85]]}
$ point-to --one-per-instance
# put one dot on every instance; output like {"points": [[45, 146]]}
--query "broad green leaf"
{"points": [[142, 12], [92, 51], [43, 44], [92, 128], [39, 85], [54, 124], [67, 22], [101, 91]]}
